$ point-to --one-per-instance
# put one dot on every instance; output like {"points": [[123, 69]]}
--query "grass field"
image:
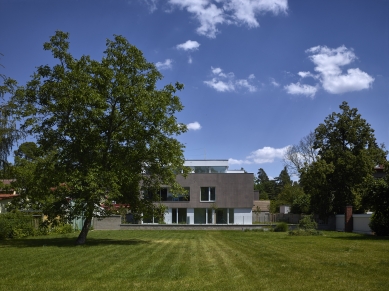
{"points": [[195, 260]]}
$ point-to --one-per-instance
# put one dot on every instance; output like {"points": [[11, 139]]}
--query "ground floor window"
{"points": [[179, 215], [211, 216]]}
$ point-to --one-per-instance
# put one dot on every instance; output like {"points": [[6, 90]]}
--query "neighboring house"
{"points": [[6, 196], [216, 195]]}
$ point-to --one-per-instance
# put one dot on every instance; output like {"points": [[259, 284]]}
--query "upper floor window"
{"points": [[208, 194], [165, 195]]}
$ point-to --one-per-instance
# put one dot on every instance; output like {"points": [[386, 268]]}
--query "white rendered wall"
{"points": [[168, 216], [243, 216], [190, 215]]}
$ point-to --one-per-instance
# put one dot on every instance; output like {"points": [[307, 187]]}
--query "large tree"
{"points": [[299, 155], [347, 151], [8, 132], [103, 128]]}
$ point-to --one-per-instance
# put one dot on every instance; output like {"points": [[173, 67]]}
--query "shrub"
{"points": [[307, 223], [15, 225], [281, 227], [379, 223], [63, 228]]}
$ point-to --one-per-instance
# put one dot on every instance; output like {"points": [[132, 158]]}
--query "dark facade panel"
{"points": [[233, 190]]}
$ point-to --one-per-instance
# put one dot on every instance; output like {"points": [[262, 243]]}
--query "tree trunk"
{"points": [[84, 232]]}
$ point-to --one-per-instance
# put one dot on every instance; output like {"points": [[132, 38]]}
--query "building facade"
{"points": [[215, 195]]}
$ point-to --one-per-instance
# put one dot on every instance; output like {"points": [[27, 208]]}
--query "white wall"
{"points": [[190, 214], [243, 216], [361, 223], [168, 216]]}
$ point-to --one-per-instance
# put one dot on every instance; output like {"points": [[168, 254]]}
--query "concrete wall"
{"points": [[107, 223]]}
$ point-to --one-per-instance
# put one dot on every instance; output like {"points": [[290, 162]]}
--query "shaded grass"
{"points": [[196, 260]]}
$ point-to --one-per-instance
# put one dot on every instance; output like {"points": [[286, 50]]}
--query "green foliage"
{"points": [[294, 196], [8, 131], [281, 227], [377, 199], [15, 225], [348, 153], [307, 223], [100, 126]]}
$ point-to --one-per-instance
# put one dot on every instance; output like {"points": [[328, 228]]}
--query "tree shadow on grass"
{"points": [[356, 236], [67, 242]]}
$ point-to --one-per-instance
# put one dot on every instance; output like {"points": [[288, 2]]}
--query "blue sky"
{"points": [[258, 75]]}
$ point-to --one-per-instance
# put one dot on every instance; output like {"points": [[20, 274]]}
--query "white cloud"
{"points": [[244, 11], [267, 155], [354, 80], [190, 60], [223, 82], [301, 89], [308, 74], [152, 4], [189, 45], [165, 65], [238, 162], [211, 13], [220, 86], [193, 126], [274, 83], [245, 84], [328, 64], [261, 156]]}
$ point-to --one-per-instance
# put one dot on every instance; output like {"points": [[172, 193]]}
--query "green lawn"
{"points": [[196, 260]]}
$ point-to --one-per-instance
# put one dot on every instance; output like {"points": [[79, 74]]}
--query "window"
{"points": [[208, 194], [165, 195]]}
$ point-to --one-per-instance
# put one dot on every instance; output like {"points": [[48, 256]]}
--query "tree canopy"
{"points": [[8, 132], [347, 154], [103, 128]]}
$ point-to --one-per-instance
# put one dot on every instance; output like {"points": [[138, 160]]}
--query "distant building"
{"points": [[216, 195]]}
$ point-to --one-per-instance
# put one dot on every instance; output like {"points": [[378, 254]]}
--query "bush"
{"points": [[63, 229], [379, 223], [307, 223], [15, 225], [281, 227]]}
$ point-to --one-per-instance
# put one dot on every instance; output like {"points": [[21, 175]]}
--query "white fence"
{"points": [[360, 223]]}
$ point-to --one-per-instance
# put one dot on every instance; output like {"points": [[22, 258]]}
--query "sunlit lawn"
{"points": [[196, 260]]}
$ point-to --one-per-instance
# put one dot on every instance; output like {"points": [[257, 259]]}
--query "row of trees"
{"points": [[335, 164], [98, 126]]}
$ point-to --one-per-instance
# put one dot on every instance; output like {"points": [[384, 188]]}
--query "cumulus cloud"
{"points": [[328, 66], [211, 13], [193, 126], [168, 64], [299, 89], [261, 156], [267, 155], [226, 82], [189, 45]]}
